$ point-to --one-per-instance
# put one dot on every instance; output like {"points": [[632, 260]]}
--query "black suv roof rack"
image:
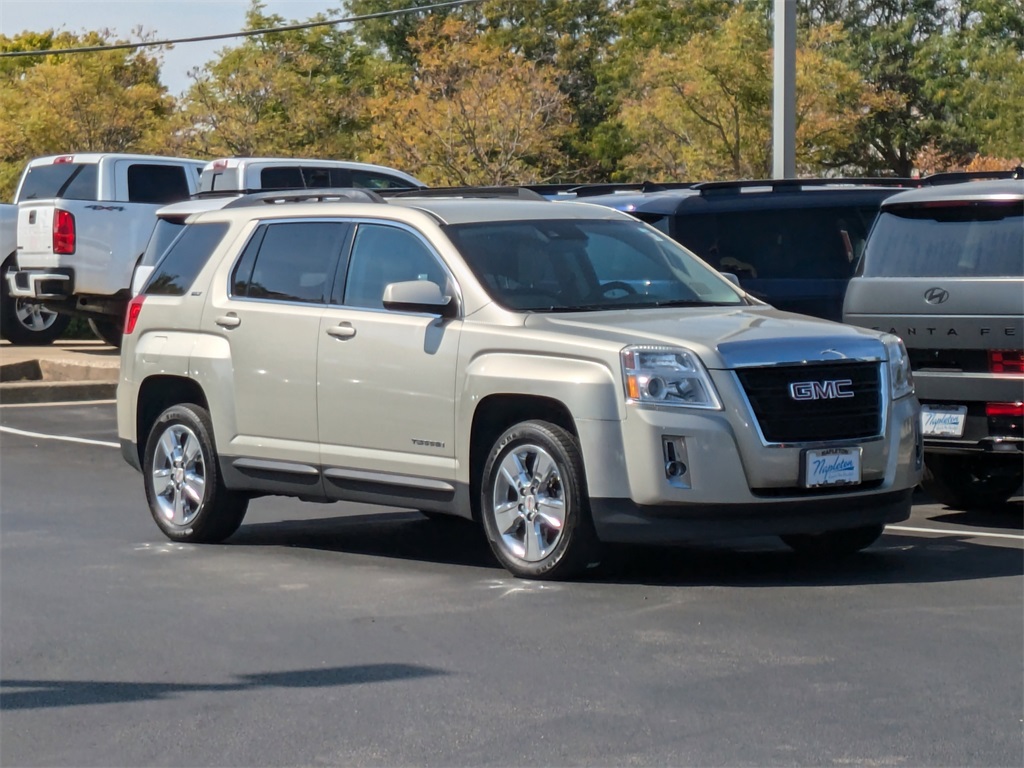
{"points": [[340, 195], [591, 189], [789, 185], [506, 193], [955, 177]]}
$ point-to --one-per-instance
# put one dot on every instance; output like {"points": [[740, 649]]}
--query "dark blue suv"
{"points": [[793, 243]]}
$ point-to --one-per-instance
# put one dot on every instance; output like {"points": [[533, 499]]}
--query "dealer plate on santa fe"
{"points": [[943, 420], [831, 466]]}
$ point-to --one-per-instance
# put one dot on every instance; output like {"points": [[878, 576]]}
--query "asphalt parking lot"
{"points": [[345, 634]]}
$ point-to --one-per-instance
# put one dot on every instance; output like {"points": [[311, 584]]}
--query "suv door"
{"points": [[269, 316], [387, 378]]}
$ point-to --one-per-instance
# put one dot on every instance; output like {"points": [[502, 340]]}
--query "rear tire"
{"points": [[26, 321], [534, 505], [833, 543], [109, 330], [969, 482], [186, 494]]}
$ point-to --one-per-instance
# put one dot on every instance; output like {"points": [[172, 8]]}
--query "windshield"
{"points": [[582, 264], [951, 240]]}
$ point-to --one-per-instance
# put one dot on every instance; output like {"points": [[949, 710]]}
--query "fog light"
{"points": [[677, 471]]}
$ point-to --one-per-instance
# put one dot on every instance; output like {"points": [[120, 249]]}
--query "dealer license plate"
{"points": [[831, 466], [943, 420]]}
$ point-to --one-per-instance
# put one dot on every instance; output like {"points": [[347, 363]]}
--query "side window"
{"points": [[295, 262], [383, 255], [371, 180], [185, 258], [281, 178], [241, 275], [157, 183]]}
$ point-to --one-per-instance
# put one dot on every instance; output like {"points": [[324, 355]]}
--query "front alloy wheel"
{"points": [[533, 503]]}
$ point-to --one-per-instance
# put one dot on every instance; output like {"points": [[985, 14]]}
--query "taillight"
{"points": [[1006, 361], [63, 232], [132, 315], [1005, 409]]}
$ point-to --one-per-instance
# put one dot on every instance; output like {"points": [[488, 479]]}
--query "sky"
{"points": [[166, 18]]}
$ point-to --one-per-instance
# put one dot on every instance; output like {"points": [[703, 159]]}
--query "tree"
{"points": [[106, 101], [469, 112], [704, 111], [284, 93]]}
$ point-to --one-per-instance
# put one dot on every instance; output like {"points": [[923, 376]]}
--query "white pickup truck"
{"points": [[83, 221]]}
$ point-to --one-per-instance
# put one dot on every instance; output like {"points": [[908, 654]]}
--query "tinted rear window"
{"points": [[163, 235], [70, 181], [181, 264], [960, 240]]}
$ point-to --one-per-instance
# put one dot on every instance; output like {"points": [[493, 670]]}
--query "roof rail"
{"points": [[505, 193], [955, 177], [341, 195], [788, 185], [590, 190]]}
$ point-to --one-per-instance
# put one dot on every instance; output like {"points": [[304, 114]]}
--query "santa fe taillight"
{"points": [[63, 232], [131, 316], [1006, 361]]}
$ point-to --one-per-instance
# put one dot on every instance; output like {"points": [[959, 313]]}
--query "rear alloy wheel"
{"points": [[970, 482], [833, 543], [27, 322], [108, 329], [186, 495], [533, 503]]}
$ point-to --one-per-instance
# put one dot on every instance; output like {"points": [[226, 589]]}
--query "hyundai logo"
{"points": [[836, 389], [936, 295]]}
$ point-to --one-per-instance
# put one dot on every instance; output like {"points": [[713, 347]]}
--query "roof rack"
{"points": [[341, 195], [789, 185], [505, 193], [955, 177], [591, 190]]}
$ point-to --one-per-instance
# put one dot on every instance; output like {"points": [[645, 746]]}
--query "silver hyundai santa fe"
{"points": [[559, 372]]}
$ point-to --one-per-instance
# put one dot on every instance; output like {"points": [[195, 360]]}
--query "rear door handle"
{"points": [[342, 331], [230, 320]]}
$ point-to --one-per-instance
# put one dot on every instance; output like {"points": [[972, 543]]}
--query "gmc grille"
{"points": [[785, 420]]}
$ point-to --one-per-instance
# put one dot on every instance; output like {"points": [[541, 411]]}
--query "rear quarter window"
{"points": [[958, 240], [180, 266]]}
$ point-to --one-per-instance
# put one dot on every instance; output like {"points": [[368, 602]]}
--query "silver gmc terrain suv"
{"points": [[560, 372]]}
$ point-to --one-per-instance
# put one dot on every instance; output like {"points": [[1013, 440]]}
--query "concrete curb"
{"points": [[21, 392], [67, 372]]}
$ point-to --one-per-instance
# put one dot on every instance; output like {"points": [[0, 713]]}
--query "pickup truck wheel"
{"points": [[110, 331], [186, 494], [969, 482], [833, 543], [534, 505], [26, 321]]}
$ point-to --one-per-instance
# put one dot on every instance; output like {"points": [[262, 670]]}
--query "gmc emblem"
{"points": [[835, 389]]}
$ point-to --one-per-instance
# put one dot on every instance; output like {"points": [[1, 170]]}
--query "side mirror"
{"points": [[418, 296]]}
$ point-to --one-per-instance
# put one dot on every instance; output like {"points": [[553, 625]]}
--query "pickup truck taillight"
{"points": [[131, 316], [63, 232], [995, 410], [1006, 361]]}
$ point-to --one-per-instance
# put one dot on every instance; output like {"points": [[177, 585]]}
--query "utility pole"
{"points": [[784, 89]]}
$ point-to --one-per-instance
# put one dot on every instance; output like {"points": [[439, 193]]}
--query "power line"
{"points": [[247, 33]]}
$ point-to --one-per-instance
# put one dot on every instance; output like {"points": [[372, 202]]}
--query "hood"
{"points": [[723, 337]]}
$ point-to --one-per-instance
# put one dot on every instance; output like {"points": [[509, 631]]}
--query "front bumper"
{"points": [[622, 521]]}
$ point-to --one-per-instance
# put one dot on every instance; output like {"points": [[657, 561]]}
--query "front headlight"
{"points": [[667, 376], [901, 380]]}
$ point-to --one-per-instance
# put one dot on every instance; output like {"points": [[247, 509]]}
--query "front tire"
{"points": [[833, 543], [534, 505], [186, 494], [26, 321], [969, 482]]}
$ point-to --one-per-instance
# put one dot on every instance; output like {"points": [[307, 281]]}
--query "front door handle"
{"points": [[230, 320], [342, 331]]}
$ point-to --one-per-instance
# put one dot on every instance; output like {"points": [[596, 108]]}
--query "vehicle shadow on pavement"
{"points": [[43, 694], [763, 562]]}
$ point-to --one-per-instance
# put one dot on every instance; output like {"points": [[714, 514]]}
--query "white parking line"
{"points": [[51, 405], [947, 531], [65, 438]]}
